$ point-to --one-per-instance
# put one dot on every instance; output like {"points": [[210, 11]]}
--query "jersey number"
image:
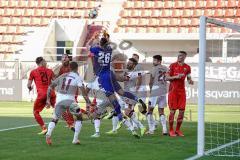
{"points": [[64, 86], [161, 77], [44, 77], [104, 58]]}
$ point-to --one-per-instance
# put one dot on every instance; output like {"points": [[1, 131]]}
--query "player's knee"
{"points": [[36, 112], [128, 112], [150, 110]]}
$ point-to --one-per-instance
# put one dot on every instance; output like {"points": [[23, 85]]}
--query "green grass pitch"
{"points": [[25, 144]]}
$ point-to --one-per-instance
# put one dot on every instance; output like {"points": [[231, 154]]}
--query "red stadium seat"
{"points": [[128, 4], [194, 22], [20, 30], [32, 3], [163, 22], [187, 13], [61, 4], [8, 12], [135, 13], [28, 12], [38, 12], [153, 22], [51, 4], [12, 3], [178, 4], [143, 22], [158, 4], [124, 13], [238, 12], [221, 4], [199, 4], [147, 4], [91, 4], [218, 13], [44, 21], [11, 30], [210, 4], [25, 21], [237, 20], [173, 22], [18, 12], [80, 4], [184, 22], [197, 13], [168, 4], [4, 20], [229, 13], [132, 22], [189, 4], [145, 13], [34, 21], [166, 13], [122, 22], [22, 4], [3, 4], [155, 13], [232, 4], [137, 4], [208, 12], [177, 13], [15, 20], [66, 14], [70, 4], [42, 4]]}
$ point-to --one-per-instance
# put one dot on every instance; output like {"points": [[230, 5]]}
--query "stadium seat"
{"points": [[177, 13], [210, 4], [141, 30], [8, 12], [238, 13], [153, 22], [184, 22], [158, 4], [18, 12], [3, 30], [11, 30], [237, 20], [15, 20], [155, 13], [199, 4], [143, 22], [32, 4], [90, 4], [135, 13], [232, 4], [221, 4], [229, 13], [80, 5], [166, 13], [38, 12], [151, 30], [128, 4], [187, 13], [61, 4], [178, 4], [20, 30], [24, 21], [208, 12], [189, 4], [48, 12], [122, 22], [218, 13], [193, 30], [42, 4], [147, 4], [78, 14], [35, 21], [168, 4], [145, 13], [12, 4], [172, 30], [197, 13], [132, 22], [182, 30], [215, 30], [173, 22], [17, 40], [44, 21], [163, 22], [137, 4], [28, 12], [3, 4], [66, 14], [4, 20], [51, 4], [7, 39], [124, 13], [194, 22], [130, 29], [70, 4], [22, 4]]}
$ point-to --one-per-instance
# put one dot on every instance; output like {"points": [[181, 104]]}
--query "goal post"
{"points": [[201, 150]]}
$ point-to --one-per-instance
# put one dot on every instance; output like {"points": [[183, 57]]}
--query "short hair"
{"points": [[103, 42], [183, 52], [134, 54], [73, 65], [133, 60], [39, 60], [158, 57]]}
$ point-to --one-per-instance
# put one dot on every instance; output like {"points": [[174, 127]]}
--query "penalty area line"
{"points": [[20, 127]]}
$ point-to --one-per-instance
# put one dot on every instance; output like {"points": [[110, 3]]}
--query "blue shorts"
{"points": [[108, 82]]}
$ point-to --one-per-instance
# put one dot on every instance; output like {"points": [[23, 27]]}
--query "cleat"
{"points": [[172, 134], [165, 134], [96, 135], [179, 133], [72, 128], [143, 130], [150, 132], [135, 134], [120, 124], [110, 115], [76, 142], [48, 140], [143, 106], [43, 132], [111, 132]]}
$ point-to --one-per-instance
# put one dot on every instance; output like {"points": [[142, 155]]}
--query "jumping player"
{"points": [[42, 78], [178, 71], [158, 92]]}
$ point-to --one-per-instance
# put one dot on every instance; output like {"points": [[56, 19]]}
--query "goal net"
{"points": [[219, 88]]}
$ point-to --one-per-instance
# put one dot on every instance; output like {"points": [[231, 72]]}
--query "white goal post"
{"points": [[201, 83]]}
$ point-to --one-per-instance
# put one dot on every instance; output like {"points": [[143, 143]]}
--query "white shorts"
{"points": [[161, 101], [61, 107]]}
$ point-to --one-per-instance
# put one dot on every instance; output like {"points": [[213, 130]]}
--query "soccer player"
{"points": [[178, 71], [66, 87], [158, 92], [42, 77], [65, 68], [102, 59]]}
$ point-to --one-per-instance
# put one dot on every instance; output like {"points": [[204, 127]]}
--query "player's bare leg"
{"points": [[179, 123], [163, 121], [171, 122]]}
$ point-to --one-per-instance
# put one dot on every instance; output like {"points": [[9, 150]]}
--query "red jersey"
{"points": [[174, 70], [42, 77], [64, 69]]}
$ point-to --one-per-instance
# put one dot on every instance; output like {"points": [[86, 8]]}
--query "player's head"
{"points": [[40, 61], [65, 59], [131, 63], [74, 66], [136, 57], [103, 42], [181, 56], [157, 59]]}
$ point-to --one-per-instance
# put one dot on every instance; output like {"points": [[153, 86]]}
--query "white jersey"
{"points": [[67, 86]]}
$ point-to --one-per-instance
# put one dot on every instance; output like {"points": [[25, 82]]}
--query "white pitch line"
{"points": [[194, 157], [8, 129]]}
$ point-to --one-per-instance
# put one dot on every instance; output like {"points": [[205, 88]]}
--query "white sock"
{"points": [[150, 122], [51, 127], [114, 122], [136, 121], [164, 123], [97, 125], [78, 126], [128, 124]]}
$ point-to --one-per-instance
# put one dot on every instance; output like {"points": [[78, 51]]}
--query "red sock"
{"points": [[68, 117], [39, 119], [171, 121], [179, 121]]}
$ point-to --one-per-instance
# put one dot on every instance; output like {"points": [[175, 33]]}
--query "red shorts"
{"points": [[177, 100], [40, 102]]}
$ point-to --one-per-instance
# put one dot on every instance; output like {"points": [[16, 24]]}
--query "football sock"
{"points": [[117, 109], [171, 121], [136, 121], [150, 122], [67, 116], [51, 127], [38, 118], [114, 122], [164, 123], [78, 126], [128, 124], [179, 121], [97, 125], [130, 96]]}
